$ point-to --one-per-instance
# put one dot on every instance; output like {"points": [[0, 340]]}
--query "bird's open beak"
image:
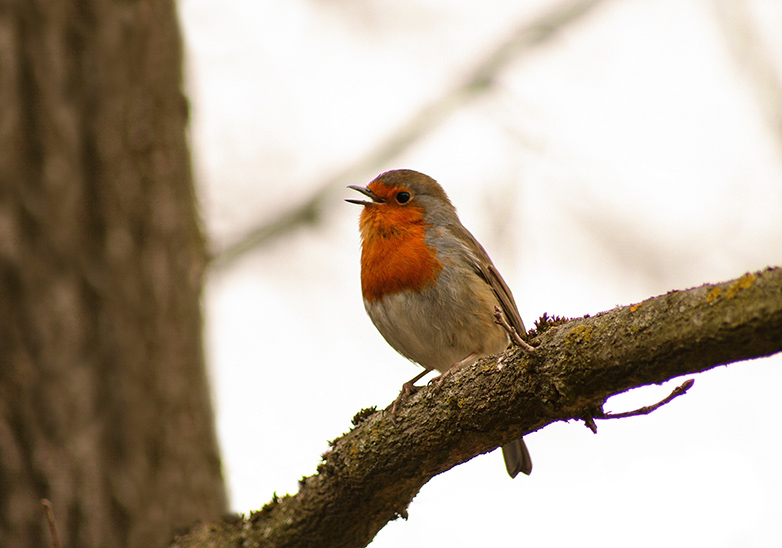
{"points": [[368, 193]]}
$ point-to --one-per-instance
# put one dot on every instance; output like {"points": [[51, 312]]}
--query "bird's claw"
{"points": [[408, 389]]}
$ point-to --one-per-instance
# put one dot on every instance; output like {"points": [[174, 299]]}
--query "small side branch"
{"points": [[678, 391]]}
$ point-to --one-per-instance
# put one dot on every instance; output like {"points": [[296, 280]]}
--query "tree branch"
{"points": [[478, 82], [372, 473]]}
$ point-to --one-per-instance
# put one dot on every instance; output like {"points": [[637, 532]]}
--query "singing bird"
{"points": [[428, 285]]}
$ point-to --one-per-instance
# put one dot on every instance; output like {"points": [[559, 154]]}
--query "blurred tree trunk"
{"points": [[104, 406]]}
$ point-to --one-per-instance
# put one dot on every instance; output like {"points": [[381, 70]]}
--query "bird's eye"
{"points": [[403, 197]]}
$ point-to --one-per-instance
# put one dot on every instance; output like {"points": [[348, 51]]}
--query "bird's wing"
{"points": [[483, 266]]}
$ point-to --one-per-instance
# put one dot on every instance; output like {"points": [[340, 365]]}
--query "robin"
{"points": [[428, 285]]}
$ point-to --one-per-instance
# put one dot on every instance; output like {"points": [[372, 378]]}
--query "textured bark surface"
{"points": [[372, 473], [104, 408]]}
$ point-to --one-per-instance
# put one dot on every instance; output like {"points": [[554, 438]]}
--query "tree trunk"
{"points": [[104, 406]]}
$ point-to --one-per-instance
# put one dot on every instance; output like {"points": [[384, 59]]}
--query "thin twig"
{"points": [[47, 509], [589, 422], [678, 391], [478, 82], [499, 319]]}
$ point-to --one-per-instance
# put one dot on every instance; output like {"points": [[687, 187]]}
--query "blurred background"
{"points": [[603, 152]]}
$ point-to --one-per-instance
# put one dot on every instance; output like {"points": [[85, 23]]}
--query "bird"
{"points": [[429, 287]]}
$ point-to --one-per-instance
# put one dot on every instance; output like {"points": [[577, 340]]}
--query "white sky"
{"points": [[628, 157]]}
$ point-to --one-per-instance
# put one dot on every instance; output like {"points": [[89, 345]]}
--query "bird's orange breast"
{"points": [[394, 254]]}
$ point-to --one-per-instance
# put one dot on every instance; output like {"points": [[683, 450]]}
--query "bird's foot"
{"points": [[408, 389], [500, 320]]}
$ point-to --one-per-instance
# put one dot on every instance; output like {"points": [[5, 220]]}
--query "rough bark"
{"points": [[372, 473], [104, 407]]}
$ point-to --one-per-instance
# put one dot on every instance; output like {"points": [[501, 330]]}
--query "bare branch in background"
{"points": [[478, 82], [754, 59]]}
